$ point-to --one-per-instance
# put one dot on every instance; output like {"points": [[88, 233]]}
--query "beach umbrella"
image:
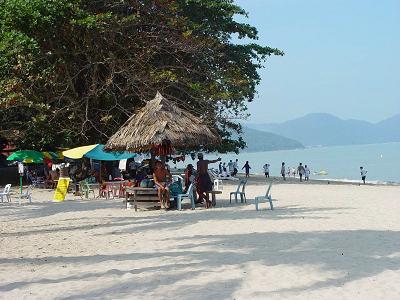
{"points": [[96, 152], [161, 124], [53, 155], [27, 156]]}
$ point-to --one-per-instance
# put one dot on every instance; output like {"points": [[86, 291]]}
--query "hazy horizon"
{"points": [[282, 121], [341, 58]]}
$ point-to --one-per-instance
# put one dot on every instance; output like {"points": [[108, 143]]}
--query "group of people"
{"points": [[200, 177], [231, 168], [302, 171]]}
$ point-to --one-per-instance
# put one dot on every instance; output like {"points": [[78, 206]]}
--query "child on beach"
{"points": [[307, 173], [363, 174]]}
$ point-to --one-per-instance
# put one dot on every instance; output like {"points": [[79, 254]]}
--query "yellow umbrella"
{"points": [[77, 153]]}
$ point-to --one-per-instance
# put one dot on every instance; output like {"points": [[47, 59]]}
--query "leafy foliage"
{"points": [[72, 71]]}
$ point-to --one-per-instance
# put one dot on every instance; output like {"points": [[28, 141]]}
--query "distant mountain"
{"points": [[258, 141], [328, 130]]}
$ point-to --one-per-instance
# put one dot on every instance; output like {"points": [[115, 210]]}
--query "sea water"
{"points": [[382, 161]]}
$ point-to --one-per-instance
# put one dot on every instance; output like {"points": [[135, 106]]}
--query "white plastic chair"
{"points": [[267, 197], [218, 185], [6, 193], [26, 195], [239, 191], [188, 195]]}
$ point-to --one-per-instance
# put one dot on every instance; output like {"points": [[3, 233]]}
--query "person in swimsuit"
{"points": [[204, 183], [162, 179]]}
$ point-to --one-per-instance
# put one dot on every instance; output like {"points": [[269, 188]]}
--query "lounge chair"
{"points": [[240, 190], [267, 197], [188, 195], [6, 193], [26, 195]]}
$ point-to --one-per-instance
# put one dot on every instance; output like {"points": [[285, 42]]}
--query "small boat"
{"points": [[321, 173]]}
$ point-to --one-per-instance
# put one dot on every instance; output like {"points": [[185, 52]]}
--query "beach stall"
{"points": [[162, 129], [96, 153]]}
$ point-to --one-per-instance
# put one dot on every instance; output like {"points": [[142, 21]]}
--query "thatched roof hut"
{"points": [[158, 121]]}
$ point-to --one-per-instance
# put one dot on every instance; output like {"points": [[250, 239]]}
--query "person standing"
{"points": [[220, 168], [235, 167], [266, 170], [307, 173], [247, 168], [204, 183], [363, 173], [224, 172], [230, 167], [283, 171], [301, 171]]}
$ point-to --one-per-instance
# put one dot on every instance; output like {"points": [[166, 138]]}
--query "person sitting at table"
{"points": [[162, 179], [92, 177], [140, 175], [51, 179]]}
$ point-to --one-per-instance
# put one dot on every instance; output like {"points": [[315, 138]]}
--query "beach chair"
{"points": [[188, 195], [240, 190], [6, 193], [86, 189], [218, 185], [267, 197], [25, 195]]}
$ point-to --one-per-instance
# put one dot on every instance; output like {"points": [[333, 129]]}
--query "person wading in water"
{"points": [[204, 183]]}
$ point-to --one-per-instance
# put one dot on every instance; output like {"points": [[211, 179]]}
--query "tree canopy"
{"points": [[73, 71]]}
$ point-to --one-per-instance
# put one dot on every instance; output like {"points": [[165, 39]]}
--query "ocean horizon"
{"points": [[382, 161]]}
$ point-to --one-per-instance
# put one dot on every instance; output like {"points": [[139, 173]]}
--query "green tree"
{"points": [[72, 71]]}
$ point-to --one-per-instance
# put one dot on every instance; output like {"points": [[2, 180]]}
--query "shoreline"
{"points": [[260, 179]]}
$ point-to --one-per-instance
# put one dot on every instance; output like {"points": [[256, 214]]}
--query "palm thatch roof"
{"points": [[158, 121]]}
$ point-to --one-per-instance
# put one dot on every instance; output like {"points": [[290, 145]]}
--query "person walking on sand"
{"points": [[363, 173], [301, 171], [203, 180], [247, 168], [266, 170], [283, 171], [307, 173]]}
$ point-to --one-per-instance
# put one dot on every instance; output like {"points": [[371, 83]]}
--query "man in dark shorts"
{"points": [[363, 174], [162, 180], [204, 183]]}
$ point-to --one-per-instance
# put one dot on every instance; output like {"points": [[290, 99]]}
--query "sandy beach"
{"points": [[323, 241]]}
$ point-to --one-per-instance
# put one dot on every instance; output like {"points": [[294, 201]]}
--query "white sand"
{"points": [[321, 242]]}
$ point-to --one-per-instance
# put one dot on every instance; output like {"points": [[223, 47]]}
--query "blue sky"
{"points": [[342, 57]]}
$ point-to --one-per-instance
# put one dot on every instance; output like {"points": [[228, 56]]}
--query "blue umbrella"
{"points": [[98, 153]]}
